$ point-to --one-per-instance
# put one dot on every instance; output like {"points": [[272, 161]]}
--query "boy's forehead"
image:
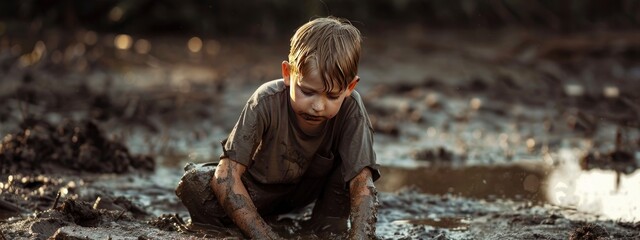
{"points": [[314, 82]]}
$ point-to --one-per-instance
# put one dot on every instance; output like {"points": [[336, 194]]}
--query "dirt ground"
{"points": [[480, 134]]}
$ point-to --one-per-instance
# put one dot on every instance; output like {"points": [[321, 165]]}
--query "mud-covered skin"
{"points": [[364, 206], [235, 200]]}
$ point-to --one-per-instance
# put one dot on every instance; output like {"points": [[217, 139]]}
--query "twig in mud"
{"points": [[10, 206], [120, 215], [632, 105], [179, 219], [24, 109], [55, 203], [132, 106]]}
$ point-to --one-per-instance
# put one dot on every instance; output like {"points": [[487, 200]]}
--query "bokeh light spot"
{"points": [[611, 91], [531, 143], [475, 103], [123, 41], [194, 44], [116, 14]]}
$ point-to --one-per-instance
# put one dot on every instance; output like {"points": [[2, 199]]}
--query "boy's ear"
{"points": [[286, 73], [352, 85]]}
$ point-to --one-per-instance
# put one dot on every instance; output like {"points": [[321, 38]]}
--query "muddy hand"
{"points": [[363, 206], [235, 200]]}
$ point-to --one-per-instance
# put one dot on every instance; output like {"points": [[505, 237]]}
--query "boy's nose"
{"points": [[318, 105]]}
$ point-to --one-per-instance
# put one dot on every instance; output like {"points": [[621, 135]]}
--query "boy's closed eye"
{"points": [[333, 96], [309, 93]]}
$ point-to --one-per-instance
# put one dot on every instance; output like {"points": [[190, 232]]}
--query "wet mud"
{"points": [[41, 147], [484, 139]]}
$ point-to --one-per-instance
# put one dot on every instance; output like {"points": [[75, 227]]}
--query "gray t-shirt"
{"points": [[268, 140]]}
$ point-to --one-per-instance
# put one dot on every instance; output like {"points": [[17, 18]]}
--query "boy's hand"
{"points": [[364, 201], [234, 198]]}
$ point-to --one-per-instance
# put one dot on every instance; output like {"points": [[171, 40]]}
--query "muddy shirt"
{"points": [[268, 140]]}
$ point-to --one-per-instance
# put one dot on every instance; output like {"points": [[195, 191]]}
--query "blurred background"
{"points": [[267, 19]]}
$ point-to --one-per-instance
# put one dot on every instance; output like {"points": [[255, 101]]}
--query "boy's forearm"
{"points": [[235, 200], [364, 206]]}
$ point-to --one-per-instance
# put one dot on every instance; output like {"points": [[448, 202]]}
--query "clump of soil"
{"points": [[168, 222], [40, 147], [589, 232], [80, 213], [439, 154], [44, 224]]}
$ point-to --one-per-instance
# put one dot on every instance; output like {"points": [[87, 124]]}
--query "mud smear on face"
{"points": [[311, 118]]}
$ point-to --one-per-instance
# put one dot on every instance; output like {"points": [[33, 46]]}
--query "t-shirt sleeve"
{"points": [[356, 148], [247, 133]]}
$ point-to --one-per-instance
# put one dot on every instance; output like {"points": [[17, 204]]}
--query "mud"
{"points": [[42, 147], [500, 137]]}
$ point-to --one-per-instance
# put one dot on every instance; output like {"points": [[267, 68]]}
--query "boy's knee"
{"points": [[196, 179], [196, 195], [194, 187]]}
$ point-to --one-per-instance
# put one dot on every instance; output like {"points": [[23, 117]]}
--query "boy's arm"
{"points": [[234, 198], [363, 206]]}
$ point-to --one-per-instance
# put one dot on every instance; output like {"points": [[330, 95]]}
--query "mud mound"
{"points": [[589, 232], [41, 146], [81, 213], [45, 224]]}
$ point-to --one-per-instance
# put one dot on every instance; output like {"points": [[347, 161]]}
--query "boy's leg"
{"points": [[331, 211], [332, 205], [194, 190]]}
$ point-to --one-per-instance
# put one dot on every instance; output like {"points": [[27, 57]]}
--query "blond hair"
{"points": [[328, 45]]}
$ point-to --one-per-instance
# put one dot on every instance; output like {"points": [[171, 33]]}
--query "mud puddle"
{"points": [[604, 194], [454, 224], [517, 181]]}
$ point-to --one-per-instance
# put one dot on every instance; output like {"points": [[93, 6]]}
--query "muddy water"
{"points": [[606, 194], [517, 182]]}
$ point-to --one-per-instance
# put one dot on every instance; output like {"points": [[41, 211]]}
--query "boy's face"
{"points": [[311, 104]]}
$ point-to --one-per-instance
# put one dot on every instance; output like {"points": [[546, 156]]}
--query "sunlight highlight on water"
{"points": [[594, 191]]}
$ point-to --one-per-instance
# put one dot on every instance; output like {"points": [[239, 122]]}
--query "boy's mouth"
{"points": [[311, 118]]}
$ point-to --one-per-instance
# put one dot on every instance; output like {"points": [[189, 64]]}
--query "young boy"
{"points": [[303, 138]]}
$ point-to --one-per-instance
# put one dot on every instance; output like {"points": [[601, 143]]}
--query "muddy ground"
{"points": [[481, 135]]}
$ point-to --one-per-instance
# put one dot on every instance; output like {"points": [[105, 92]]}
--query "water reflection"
{"points": [[517, 181], [604, 193]]}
